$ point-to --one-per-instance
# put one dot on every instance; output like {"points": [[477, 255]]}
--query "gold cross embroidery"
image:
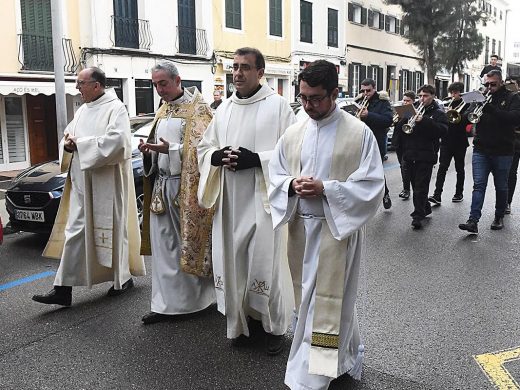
{"points": [[103, 238]]}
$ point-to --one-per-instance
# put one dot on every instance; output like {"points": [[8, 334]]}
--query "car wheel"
{"points": [[140, 205]]}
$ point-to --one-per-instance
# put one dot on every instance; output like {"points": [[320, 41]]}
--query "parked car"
{"points": [[33, 198]]}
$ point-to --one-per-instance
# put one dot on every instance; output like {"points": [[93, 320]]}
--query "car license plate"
{"points": [[29, 215]]}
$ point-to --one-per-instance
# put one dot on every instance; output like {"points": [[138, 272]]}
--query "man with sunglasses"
{"points": [[326, 183], [378, 115], [249, 259], [493, 149], [96, 232]]}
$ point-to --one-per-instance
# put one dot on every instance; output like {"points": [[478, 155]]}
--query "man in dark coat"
{"points": [[420, 149], [491, 66], [378, 115], [493, 149]]}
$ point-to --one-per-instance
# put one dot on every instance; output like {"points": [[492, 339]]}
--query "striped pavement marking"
{"points": [[492, 364], [27, 279]]}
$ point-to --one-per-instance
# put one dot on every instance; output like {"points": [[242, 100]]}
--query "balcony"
{"points": [[130, 33], [35, 53], [191, 41]]}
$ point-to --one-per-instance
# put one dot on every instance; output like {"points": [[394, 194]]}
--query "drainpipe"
{"points": [[59, 66]]}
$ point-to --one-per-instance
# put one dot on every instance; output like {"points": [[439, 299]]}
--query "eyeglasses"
{"points": [[365, 90], [490, 85], [314, 101], [243, 67], [83, 82]]}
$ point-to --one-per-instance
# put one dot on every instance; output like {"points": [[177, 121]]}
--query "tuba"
{"points": [[362, 106], [474, 117], [408, 127]]}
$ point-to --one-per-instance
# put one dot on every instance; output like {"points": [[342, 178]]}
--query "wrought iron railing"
{"points": [[131, 33], [35, 53], [192, 41]]}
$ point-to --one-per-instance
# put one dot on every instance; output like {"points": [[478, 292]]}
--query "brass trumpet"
{"points": [[474, 117], [453, 114], [395, 118], [363, 105], [408, 127]]}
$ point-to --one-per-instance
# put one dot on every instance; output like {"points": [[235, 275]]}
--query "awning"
{"points": [[21, 87]]}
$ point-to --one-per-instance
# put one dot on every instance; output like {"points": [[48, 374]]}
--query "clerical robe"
{"points": [[337, 220], [96, 231], [250, 267], [173, 290]]}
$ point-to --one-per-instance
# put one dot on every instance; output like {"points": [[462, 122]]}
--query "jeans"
{"points": [[512, 177], [483, 164]]}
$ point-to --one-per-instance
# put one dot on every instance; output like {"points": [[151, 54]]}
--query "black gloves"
{"points": [[247, 159], [218, 155]]}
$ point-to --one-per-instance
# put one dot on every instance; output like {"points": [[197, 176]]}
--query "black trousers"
{"points": [[420, 175], [511, 183], [446, 154], [405, 174]]}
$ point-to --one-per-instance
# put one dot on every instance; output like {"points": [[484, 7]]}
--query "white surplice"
{"points": [[173, 290], [249, 260], [96, 233], [346, 209]]}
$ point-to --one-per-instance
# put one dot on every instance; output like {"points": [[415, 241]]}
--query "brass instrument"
{"points": [[408, 127], [395, 118], [453, 114], [474, 117], [362, 106]]}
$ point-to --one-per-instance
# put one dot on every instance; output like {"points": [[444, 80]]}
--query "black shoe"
{"points": [[498, 223], [59, 295], [416, 223], [404, 194], [435, 199], [152, 318], [273, 344], [112, 292], [508, 209], [470, 226], [457, 198], [256, 329], [387, 202]]}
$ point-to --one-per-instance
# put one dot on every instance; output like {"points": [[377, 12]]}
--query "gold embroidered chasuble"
{"points": [[195, 222]]}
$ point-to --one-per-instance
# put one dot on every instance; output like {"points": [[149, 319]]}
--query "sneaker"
{"points": [[498, 223], [416, 223], [457, 198], [470, 226], [387, 202], [435, 199], [508, 209], [404, 194]]}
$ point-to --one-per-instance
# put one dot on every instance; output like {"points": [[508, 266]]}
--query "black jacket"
{"points": [[422, 143], [380, 115], [456, 137], [489, 68], [494, 134]]}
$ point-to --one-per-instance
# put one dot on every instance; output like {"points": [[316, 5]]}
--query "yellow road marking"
{"points": [[492, 364]]}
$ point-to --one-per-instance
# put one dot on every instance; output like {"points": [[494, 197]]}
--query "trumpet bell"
{"points": [[473, 118], [407, 129], [453, 116]]}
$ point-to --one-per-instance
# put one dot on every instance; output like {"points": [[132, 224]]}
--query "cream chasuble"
{"points": [[96, 232], [175, 291], [249, 260], [326, 236]]}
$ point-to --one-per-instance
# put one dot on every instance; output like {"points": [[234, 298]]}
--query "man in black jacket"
{"points": [[491, 66], [378, 116], [493, 148], [420, 151], [453, 145]]}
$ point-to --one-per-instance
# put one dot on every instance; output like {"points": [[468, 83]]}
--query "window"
{"points": [[14, 126], [516, 55], [37, 35], [126, 24], [500, 14], [144, 96], [392, 24], [357, 14], [332, 32], [305, 21], [516, 45], [486, 52], [376, 19], [405, 81], [275, 17], [233, 14], [493, 46], [405, 29], [355, 80], [117, 84]]}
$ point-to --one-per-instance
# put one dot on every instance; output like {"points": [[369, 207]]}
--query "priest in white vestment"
{"points": [[326, 183], [250, 266], [96, 232], [168, 155]]}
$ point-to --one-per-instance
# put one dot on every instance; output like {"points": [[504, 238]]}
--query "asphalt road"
{"points": [[429, 301]]}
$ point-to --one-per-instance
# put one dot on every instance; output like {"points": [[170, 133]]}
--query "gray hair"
{"points": [[168, 66]]}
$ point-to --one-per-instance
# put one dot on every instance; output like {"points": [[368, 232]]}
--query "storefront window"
{"points": [[15, 129]]}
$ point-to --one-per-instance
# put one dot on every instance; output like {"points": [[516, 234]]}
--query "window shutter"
{"points": [[370, 18], [362, 74], [381, 21], [380, 78], [387, 23], [350, 12], [401, 85], [363, 15], [402, 28], [350, 77], [397, 26]]}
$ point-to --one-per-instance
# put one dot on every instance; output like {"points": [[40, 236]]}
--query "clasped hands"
{"points": [[70, 143], [307, 187], [235, 159], [162, 147]]}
